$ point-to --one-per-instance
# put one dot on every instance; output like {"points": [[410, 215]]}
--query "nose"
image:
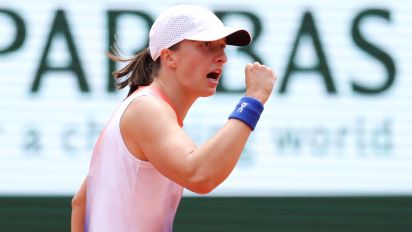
{"points": [[221, 58]]}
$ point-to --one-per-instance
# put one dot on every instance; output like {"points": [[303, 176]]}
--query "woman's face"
{"points": [[199, 66]]}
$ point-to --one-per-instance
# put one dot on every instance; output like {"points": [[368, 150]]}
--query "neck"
{"points": [[178, 98]]}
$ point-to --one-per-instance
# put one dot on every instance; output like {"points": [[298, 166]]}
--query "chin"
{"points": [[209, 93]]}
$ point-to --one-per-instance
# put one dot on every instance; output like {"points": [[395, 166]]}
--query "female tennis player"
{"points": [[143, 159]]}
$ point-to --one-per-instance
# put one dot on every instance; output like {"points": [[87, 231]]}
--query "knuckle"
{"points": [[249, 66]]}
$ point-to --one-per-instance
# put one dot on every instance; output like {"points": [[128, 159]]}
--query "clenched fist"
{"points": [[260, 80]]}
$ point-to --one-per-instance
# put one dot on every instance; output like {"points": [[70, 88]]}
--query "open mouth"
{"points": [[214, 75]]}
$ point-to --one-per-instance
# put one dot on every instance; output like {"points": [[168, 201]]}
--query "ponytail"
{"points": [[140, 70]]}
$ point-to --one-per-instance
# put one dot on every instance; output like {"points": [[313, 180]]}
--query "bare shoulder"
{"points": [[148, 111], [144, 120]]}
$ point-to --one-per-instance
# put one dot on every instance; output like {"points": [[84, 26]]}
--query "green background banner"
{"points": [[240, 214]]}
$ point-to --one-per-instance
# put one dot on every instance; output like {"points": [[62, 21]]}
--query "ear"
{"points": [[168, 58]]}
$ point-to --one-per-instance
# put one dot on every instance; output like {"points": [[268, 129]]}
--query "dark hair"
{"points": [[140, 70]]}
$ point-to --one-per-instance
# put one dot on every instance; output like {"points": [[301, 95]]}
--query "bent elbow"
{"points": [[201, 190], [199, 180], [202, 185]]}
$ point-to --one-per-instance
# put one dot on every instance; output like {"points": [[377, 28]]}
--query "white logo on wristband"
{"points": [[242, 106]]}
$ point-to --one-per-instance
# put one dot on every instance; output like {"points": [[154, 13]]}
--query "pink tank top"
{"points": [[124, 193]]}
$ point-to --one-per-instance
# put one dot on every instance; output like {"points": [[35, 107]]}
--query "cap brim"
{"points": [[234, 36]]}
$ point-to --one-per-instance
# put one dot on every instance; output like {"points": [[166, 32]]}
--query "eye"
{"points": [[207, 44]]}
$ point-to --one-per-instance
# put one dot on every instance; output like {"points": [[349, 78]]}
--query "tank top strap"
{"points": [[150, 90]]}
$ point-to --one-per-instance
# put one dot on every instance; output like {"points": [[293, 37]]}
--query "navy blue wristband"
{"points": [[248, 111]]}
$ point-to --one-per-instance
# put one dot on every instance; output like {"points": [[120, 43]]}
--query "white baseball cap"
{"points": [[192, 23]]}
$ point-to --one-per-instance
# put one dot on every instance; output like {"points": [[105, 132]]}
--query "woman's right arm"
{"points": [[79, 208], [151, 126]]}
